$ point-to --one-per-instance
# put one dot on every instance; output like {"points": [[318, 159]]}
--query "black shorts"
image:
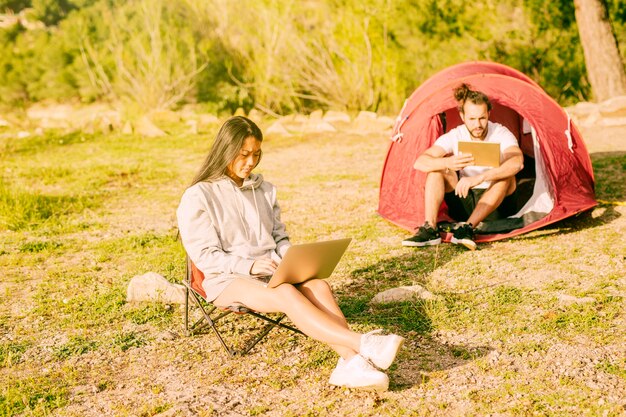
{"points": [[460, 209]]}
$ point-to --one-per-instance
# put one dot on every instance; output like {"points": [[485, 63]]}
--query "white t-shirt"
{"points": [[496, 133]]}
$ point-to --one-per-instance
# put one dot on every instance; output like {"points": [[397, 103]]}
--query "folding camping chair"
{"points": [[212, 315]]}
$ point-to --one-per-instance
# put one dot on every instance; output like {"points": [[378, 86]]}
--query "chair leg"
{"points": [[208, 321], [211, 323], [187, 311]]}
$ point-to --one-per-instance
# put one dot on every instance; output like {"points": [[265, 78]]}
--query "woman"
{"points": [[229, 222]]}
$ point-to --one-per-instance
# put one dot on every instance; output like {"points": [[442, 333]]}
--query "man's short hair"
{"points": [[464, 93]]}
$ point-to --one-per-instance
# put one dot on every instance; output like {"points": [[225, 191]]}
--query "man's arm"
{"points": [[513, 162], [435, 159]]}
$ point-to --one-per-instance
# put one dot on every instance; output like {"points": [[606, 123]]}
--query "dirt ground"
{"points": [[219, 390], [191, 376]]}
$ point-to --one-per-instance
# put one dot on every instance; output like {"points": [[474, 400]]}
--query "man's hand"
{"points": [[458, 162], [263, 266], [465, 184]]}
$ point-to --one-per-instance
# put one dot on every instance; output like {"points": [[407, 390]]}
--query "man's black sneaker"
{"points": [[425, 236], [464, 235]]}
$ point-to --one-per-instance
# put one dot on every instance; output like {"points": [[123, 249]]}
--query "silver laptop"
{"points": [[309, 260]]}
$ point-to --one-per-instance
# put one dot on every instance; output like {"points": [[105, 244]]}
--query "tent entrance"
{"points": [[534, 198]]}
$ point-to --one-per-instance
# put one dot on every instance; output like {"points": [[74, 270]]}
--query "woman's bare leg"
{"points": [[319, 293], [285, 298]]}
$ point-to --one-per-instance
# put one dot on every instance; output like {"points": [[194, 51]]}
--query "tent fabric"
{"points": [[547, 136]]}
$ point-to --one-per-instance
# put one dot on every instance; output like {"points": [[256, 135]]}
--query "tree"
{"points": [[603, 60]]}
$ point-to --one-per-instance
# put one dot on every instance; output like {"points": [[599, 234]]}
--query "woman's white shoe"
{"points": [[358, 373], [380, 349]]}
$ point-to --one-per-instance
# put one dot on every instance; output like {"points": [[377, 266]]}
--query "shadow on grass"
{"points": [[422, 353]]}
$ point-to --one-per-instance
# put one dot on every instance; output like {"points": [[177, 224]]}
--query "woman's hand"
{"points": [[263, 266]]}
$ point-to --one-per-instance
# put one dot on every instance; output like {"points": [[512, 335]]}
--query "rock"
{"points": [[128, 128], [316, 115], [405, 293], [368, 122], [322, 126], [613, 107], [207, 119], [165, 116], [336, 116], [145, 127], [366, 115], [154, 287], [4, 123], [614, 121], [301, 118], [276, 128], [255, 115], [582, 109], [193, 126]]}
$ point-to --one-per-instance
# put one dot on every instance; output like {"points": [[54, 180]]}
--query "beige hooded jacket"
{"points": [[224, 228]]}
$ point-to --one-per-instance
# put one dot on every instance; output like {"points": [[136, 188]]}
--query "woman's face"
{"points": [[248, 157]]}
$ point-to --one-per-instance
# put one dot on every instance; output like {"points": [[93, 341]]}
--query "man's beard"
{"points": [[481, 135]]}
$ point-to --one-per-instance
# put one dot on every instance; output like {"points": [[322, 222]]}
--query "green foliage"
{"points": [[282, 55], [11, 353], [77, 345], [34, 247], [22, 210], [128, 340], [34, 396]]}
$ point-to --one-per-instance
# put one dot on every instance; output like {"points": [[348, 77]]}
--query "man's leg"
{"points": [[491, 199], [487, 204], [437, 184]]}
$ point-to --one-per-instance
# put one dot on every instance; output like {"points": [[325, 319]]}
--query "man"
{"points": [[471, 192]]}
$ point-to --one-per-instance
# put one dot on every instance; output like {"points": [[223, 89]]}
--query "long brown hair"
{"points": [[226, 147]]}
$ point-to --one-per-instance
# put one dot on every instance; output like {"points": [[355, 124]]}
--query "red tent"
{"points": [[558, 175]]}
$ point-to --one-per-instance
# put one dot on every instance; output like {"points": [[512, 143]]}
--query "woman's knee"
{"points": [[316, 286], [286, 291]]}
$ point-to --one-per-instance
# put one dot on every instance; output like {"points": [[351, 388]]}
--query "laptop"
{"points": [[485, 154], [309, 260]]}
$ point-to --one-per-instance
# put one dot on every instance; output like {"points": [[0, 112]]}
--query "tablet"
{"points": [[485, 154]]}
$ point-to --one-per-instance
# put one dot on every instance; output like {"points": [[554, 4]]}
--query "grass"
{"points": [[80, 215]]}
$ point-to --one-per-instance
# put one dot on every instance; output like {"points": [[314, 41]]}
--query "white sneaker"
{"points": [[380, 349], [358, 373]]}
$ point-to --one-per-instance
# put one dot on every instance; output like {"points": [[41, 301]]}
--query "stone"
{"points": [[613, 107], [128, 128], [145, 127], [316, 115], [336, 116], [255, 115], [366, 115], [277, 128], [154, 287], [405, 293], [193, 126], [322, 126], [581, 109]]}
